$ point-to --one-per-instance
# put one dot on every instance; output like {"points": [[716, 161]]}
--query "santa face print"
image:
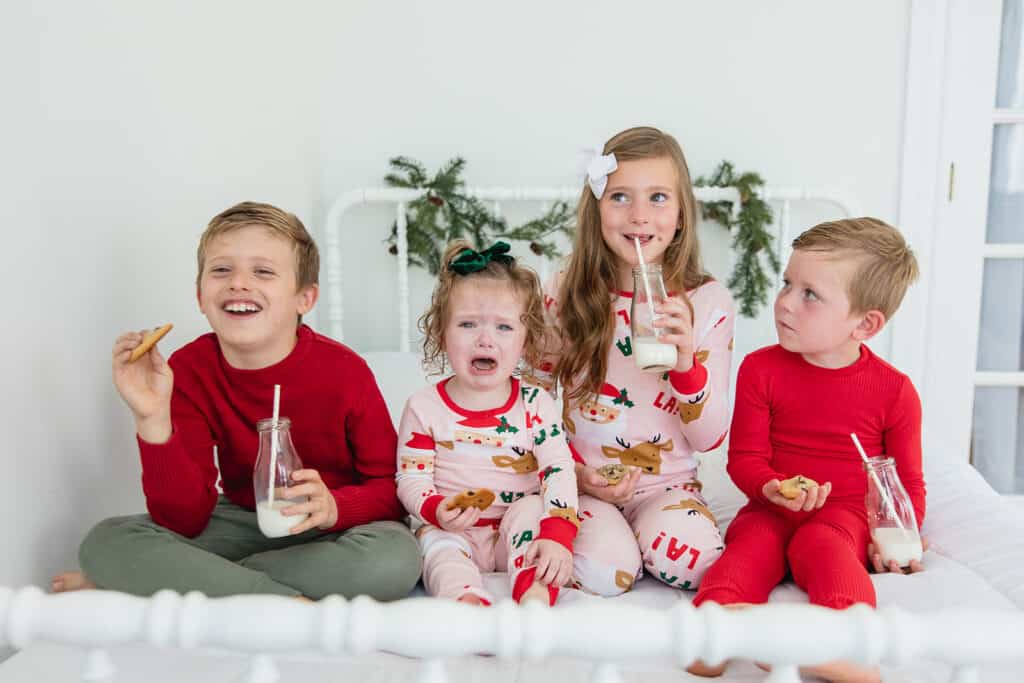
{"points": [[594, 412]]}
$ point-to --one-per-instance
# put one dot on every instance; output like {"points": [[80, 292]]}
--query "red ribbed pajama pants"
{"points": [[826, 552]]}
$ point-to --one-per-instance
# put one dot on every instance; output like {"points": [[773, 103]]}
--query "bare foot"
{"points": [[538, 592], [303, 598], [70, 581], [843, 672], [471, 599], [699, 668]]}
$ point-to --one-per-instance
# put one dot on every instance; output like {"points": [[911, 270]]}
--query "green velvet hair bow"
{"points": [[473, 261]]}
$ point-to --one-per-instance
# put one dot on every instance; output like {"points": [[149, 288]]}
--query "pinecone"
{"points": [[435, 200], [393, 250], [536, 249]]}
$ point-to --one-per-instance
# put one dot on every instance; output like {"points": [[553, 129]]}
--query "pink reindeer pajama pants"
{"points": [[453, 562], [667, 530]]}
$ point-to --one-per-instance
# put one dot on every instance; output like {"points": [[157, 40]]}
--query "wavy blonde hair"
{"points": [[588, 288], [522, 279]]}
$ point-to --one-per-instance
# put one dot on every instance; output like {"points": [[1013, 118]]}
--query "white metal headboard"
{"points": [[400, 197]]}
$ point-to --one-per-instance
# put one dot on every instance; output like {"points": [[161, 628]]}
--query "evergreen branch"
{"points": [[748, 281], [446, 212]]}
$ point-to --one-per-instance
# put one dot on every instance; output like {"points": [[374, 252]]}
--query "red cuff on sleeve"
{"points": [[575, 454], [691, 381], [559, 530], [525, 580], [428, 511]]}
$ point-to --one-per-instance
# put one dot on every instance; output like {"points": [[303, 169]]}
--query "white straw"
{"points": [[647, 285], [878, 484], [273, 447]]}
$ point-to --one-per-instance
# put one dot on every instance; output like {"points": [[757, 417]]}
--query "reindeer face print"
{"points": [[479, 438], [563, 511], [597, 413], [525, 463], [692, 507], [624, 580], [646, 456], [691, 409]]}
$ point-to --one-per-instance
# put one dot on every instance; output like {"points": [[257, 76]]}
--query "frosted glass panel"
{"points": [[1006, 190], [997, 448], [1010, 91], [1001, 336]]}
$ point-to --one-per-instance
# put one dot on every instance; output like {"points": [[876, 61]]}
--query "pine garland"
{"points": [[445, 212], [749, 282]]}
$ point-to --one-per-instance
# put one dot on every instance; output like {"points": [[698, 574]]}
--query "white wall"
{"points": [[134, 123], [803, 92]]}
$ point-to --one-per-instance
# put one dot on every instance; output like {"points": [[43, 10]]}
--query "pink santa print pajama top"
{"points": [[656, 422], [516, 450]]}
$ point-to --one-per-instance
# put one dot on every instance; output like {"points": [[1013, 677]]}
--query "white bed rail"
{"points": [[783, 635], [400, 197]]}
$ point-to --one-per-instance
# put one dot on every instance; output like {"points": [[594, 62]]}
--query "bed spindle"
{"points": [[403, 278]]}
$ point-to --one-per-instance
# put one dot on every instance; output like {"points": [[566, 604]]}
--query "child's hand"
{"points": [[677, 322], [553, 561], [590, 482], [321, 506], [811, 499], [876, 561], [145, 386], [456, 519]]}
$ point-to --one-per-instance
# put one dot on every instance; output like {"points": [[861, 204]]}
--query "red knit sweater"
{"points": [[792, 418], [340, 427]]}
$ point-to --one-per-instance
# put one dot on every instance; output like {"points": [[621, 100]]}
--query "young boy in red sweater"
{"points": [[258, 274], [797, 403]]}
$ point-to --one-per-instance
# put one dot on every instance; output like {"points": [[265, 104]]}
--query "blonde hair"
{"points": [[588, 288], [278, 222], [886, 266], [520, 278]]}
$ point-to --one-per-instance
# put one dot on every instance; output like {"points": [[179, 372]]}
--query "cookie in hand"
{"points": [[791, 488], [613, 473], [472, 498]]}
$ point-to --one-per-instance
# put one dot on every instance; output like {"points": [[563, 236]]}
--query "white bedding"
{"points": [[976, 560]]}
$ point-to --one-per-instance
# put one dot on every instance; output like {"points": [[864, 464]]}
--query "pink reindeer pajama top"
{"points": [[516, 450], [656, 422]]}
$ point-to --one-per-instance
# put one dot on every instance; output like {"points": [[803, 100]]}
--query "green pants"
{"points": [[231, 556]]}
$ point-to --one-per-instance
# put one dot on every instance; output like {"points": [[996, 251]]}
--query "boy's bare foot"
{"points": [[70, 581], [539, 592], [471, 599], [843, 672], [699, 668]]}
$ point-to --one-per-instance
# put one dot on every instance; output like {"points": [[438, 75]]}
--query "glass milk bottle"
{"points": [[648, 291], [891, 516], [275, 463]]}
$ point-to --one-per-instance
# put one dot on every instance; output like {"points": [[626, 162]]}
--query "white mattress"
{"points": [[976, 560]]}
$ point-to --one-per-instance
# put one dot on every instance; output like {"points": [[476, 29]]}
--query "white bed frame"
{"points": [[785, 635], [781, 635]]}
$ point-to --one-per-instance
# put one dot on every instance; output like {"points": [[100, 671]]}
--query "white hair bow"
{"points": [[598, 168]]}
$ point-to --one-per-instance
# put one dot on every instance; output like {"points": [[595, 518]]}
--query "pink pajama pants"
{"points": [[453, 562], [667, 530]]}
